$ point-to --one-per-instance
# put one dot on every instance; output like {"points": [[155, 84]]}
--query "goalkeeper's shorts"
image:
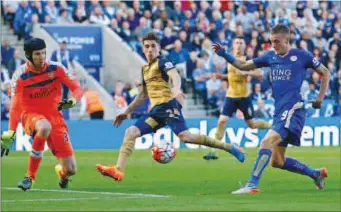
{"points": [[59, 140]]}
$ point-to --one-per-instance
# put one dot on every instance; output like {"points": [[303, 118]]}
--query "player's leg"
{"points": [[222, 121], [41, 128], [245, 105], [60, 145], [229, 108], [188, 137], [278, 160], [271, 139], [65, 169], [144, 125]]}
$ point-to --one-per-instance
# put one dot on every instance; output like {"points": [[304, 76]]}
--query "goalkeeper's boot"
{"points": [[320, 179], [247, 189], [110, 171], [63, 179], [238, 152], [26, 183], [210, 156]]}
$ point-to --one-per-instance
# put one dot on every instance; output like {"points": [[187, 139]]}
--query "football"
{"points": [[163, 152]]}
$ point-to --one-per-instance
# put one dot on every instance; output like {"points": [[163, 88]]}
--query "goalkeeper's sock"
{"points": [[293, 165], [262, 161], [35, 156], [218, 135], [125, 152], [261, 124]]}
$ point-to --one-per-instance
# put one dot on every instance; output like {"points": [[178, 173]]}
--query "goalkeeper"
{"points": [[36, 101]]}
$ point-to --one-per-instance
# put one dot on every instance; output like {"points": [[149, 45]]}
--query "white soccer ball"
{"points": [[163, 152]]}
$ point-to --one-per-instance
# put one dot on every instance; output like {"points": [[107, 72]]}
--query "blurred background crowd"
{"points": [[187, 30]]}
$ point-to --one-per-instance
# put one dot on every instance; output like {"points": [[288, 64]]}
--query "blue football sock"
{"points": [[262, 161], [293, 165]]}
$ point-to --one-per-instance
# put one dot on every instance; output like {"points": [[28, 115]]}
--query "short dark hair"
{"points": [[280, 28], [239, 37], [151, 36]]}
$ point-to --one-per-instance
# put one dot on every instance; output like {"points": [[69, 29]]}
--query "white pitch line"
{"points": [[49, 200], [96, 192]]}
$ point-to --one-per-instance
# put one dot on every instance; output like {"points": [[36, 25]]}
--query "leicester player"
{"points": [[36, 101], [157, 77], [288, 70], [237, 97]]}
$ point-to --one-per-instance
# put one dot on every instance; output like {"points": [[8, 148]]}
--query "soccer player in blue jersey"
{"points": [[288, 70], [157, 77]]}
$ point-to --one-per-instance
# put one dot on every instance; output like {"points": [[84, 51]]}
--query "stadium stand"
{"points": [[187, 30]]}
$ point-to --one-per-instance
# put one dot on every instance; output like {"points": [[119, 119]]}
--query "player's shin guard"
{"points": [[293, 165], [36, 156], [262, 161], [125, 152], [261, 124]]}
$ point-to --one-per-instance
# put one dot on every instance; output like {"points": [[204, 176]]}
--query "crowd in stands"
{"points": [[187, 30]]}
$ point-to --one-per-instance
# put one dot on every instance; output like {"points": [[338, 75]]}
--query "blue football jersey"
{"points": [[287, 74]]}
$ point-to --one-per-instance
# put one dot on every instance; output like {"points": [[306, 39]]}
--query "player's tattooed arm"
{"points": [[239, 64], [322, 70], [139, 99], [257, 73], [244, 65]]}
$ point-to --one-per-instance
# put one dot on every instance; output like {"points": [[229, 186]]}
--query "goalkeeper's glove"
{"points": [[7, 139], [66, 103]]}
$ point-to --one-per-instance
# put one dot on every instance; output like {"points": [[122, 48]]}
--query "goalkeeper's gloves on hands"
{"points": [[67, 104], [7, 139]]}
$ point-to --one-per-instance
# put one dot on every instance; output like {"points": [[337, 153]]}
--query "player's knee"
{"points": [[251, 124], [222, 122], [184, 136], [132, 132], [276, 163], [44, 128]]}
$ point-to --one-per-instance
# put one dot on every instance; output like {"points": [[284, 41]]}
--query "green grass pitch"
{"points": [[187, 183]]}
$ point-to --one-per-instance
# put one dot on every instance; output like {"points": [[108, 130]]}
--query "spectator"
{"points": [[168, 39], [98, 17], [132, 19], [178, 54], [108, 9], [142, 29], [7, 52], [257, 94], [212, 86], [200, 76], [92, 103], [312, 93], [79, 17], [14, 63], [121, 103], [51, 11], [5, 106], [260, 111], [20, 19], [9, 7], [39, 10], [64, 17], [5, 79]]}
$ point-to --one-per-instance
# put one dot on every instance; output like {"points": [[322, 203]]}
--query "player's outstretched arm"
{"points": [[322, 70], [176, 82], [139, 99], [254, 73], [240, 64]]}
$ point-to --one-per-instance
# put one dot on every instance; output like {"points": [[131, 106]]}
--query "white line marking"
{"points": [[49, 200], [96, 192]]}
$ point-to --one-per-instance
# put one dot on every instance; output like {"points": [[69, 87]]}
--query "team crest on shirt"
{"points": [[293, 58]]}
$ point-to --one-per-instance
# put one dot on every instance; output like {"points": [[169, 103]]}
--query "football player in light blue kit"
{"points": [[288, 70]]}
